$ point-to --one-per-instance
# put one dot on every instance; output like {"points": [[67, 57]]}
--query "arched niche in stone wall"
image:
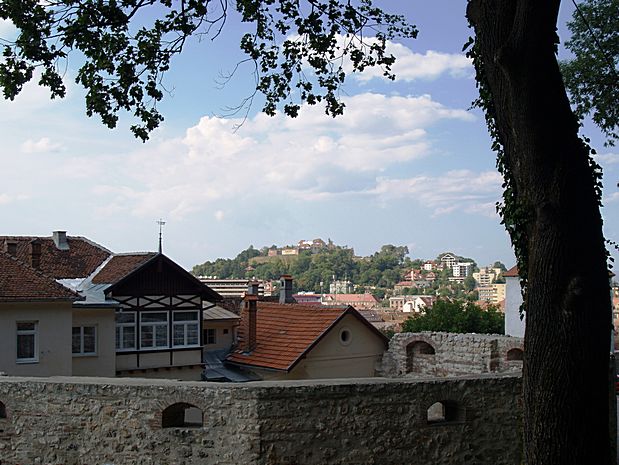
{"points": [[182, 415], [515, 354], [445, 411], [420, 357]]}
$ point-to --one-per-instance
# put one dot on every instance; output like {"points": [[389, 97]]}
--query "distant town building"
{"points": [[231, 287], [359, 301], [494, 293], [290, 251], [448, 260], [341, 287], [411, 303], [307, 298], [462, 269], [429, 266]]}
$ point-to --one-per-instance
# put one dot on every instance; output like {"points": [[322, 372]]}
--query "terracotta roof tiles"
{"points": [[20, 282], [284, 332], [120, 266], [511, 273], [80, 260]]}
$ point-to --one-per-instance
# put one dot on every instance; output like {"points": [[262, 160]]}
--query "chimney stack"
{"points": [[10, 247], [252, 287], [35, 253], [252, 310], [285, 289], [60, 240]]}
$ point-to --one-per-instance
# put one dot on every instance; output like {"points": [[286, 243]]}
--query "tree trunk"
{"points": [[568, 325]]}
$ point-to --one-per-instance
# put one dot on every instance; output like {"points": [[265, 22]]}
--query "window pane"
{"points": [[192, 334], [25, 346], [25, 326], [125, 317], [147, 336], [161, 332], [118, 337], [154, 317], [76, 341], [185, 316], [89, 340], [179, 335], [129, 337]]}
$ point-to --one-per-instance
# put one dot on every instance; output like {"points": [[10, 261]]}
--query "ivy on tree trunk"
{"points": [[551, 210]]}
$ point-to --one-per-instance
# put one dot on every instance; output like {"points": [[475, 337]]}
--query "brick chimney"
{"points": [[252, 287], [10, 247], [285, 289], [251, 307], [35, 253], [60, 240]]}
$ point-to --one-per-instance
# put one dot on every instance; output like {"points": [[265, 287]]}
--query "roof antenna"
{"points": [[160, 222]]}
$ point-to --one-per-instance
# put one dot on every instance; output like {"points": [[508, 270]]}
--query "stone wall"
{"points": [[96, 421], [448, 354]]}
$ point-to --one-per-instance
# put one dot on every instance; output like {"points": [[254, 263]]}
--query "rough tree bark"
{"points": [[565, 385]]}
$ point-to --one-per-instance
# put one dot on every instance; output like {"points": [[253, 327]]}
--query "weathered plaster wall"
{"points": [[73, 421], [454, 354]]}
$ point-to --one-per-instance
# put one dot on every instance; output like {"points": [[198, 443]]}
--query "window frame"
{"points": [[120, 327], [185, 325], [27, 332], [153, 325], [82, 353], [208, 332]]}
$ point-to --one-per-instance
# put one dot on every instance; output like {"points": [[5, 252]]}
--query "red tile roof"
{"points": [[511, 273], [20, 282], [82, 258], [120, 266], [369, 298], [284, 333]]}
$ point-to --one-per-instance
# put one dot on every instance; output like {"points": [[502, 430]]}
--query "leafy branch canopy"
{"points": [[124, 55]]}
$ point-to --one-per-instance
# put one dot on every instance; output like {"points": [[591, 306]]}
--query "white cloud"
{"points": [[612, 198], [411, 66], [219, 215], [607, 158], [460, 190], [42, 145], [6, 199], [307, 158], [8, 31]]}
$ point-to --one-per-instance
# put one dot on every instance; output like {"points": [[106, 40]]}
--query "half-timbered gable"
{"points": [[159, 315]]}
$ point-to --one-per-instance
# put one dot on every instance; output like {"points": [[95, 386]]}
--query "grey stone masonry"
{"points": [[431, 354], [97, 421]]}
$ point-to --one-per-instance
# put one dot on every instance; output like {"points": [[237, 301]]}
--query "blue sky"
{"points": [[408, 163]]}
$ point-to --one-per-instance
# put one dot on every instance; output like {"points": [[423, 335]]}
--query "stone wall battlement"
{"points": [[449, 354], [95, 421]]}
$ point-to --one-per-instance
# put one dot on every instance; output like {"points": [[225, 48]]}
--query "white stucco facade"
{"points": [[514, 325]]}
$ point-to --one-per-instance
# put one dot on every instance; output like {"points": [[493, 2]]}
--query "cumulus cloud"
{"points": [[458, 190], [42, 145], [219, 215], [8, 31], [307, 158], [608, 158], [411, 66]]}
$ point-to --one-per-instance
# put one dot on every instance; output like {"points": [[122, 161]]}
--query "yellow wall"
{"points": [[53, 338], [222, 341], [104, 363]]}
